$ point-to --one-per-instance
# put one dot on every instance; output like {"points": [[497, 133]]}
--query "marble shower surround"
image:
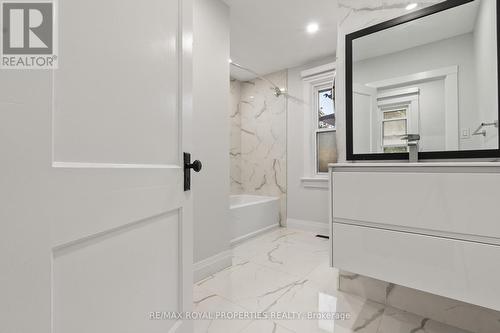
{"points": [[235, 140], [355, 15], [258, 153]]}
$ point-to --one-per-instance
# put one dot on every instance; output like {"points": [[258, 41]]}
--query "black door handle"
{"points": [[196, 166]]}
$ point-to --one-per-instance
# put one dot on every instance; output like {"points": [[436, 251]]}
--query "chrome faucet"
{"points": [[412, 140]]}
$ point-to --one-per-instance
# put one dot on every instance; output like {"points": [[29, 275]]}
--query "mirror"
{"points": [[433, 73]]}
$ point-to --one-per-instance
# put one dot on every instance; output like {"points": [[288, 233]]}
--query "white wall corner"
{"points": [[211, 93], [312, 226], [211, 265]]}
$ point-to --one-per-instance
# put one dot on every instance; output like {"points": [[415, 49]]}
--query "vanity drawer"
{"points": [[461, 270], [455, 205]]}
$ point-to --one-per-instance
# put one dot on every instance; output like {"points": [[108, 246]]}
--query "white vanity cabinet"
{"points": [[429, 226]]}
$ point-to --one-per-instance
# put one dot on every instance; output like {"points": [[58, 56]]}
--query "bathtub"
{"points": [[252, 215]]}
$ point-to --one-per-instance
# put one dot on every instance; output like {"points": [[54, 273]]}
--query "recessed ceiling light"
{"points": [[312, 28], [411, 6]]}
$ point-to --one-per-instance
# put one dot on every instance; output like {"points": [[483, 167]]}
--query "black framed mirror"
{"points": [[431, 75]]}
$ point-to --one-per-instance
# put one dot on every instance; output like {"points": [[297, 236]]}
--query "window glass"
{"points": [[396, 114], [326, 112], [326, 145], [401, 149], [393, 131]]}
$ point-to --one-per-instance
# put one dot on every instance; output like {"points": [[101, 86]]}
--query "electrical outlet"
{"points": [[465, 133]]}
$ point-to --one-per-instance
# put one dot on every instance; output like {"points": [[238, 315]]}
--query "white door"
{"points": [[95, 228]]}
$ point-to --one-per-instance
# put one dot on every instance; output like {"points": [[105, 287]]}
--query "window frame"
{"points": [[406, 118], [317, 87], [312, 77]]}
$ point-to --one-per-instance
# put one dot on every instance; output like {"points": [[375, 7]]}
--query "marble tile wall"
{"points": [[235, 141], [258, 155], [355, 15]]}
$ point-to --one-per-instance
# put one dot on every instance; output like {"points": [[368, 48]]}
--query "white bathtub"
{"points": [[252, 215]]}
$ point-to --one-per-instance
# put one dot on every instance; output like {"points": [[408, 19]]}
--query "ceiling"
{"points": [[270, 35]]}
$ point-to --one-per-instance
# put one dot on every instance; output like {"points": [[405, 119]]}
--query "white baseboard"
{"points": [[206, 267], [253, 234], [312, 226]]}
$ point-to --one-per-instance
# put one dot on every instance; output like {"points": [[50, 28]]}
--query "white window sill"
{"points": [[315, 182]]}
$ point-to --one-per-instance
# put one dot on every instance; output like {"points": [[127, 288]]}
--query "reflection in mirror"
{"points": [[325, 132], [435, 76]]}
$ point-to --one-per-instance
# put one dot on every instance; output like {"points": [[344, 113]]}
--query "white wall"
{"points": [[211, 131], [450, 52], [304, 204], [485, 41]]}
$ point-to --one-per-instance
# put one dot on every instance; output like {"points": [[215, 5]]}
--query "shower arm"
{"points": [[277, 90]]}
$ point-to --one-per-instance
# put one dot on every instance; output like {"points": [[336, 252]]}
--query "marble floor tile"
{"points": [[287, 271], [300, 239], [289, 259], [364, 315], [324, 277], [441, 309], [205, 302], [305, 299], [394, 320], [264, 326], [365, 287], [286, 239], [252, 248], [252, 286], [451, 312]]}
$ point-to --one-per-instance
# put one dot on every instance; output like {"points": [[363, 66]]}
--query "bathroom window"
{"points": [[319, 132], [394, 128], [325, 134]]}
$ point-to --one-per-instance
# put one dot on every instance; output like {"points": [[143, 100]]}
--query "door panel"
{"points": [[92, 200], [137, 270], [116, 89]]}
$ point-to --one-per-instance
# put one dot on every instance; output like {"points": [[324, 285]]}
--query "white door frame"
{"points": [[406, 98], [371, 93], [450, 77]]}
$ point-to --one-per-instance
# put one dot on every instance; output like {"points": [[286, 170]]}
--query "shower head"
{"points": [[278, 91]]}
